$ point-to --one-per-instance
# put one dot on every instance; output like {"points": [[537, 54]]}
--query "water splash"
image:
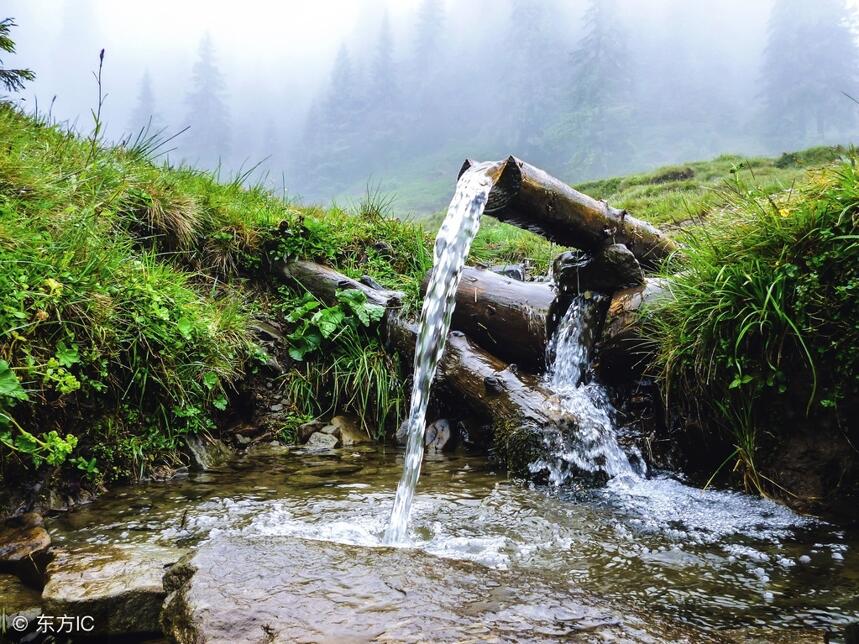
{"points": [[451, 249], [594, 446]]}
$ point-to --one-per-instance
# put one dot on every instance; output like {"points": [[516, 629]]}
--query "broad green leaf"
{"points": [[10, 387]]}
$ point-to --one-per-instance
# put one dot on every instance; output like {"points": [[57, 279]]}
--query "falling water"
{"points": [[594, 446], [451, 249]]}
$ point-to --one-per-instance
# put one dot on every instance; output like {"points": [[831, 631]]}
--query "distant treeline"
{"points": [[595, 97]]}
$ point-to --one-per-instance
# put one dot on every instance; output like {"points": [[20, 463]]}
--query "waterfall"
{"points": [[451, 250], [594, 447]]}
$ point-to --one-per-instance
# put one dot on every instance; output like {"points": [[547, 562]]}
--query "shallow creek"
{"points": [[656, 560]]}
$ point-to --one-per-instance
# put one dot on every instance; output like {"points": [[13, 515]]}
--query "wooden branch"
{"points": [[324, 282], [530, 198], [507, 317]]}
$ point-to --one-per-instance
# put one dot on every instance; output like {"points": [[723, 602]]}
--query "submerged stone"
{"points": [[120, 587], [349, 430], [17, 599], [24, 543], [283, 589], [320, 441]]}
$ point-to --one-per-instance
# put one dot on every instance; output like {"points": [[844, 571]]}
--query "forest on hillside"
{"points": [[585, 88]]}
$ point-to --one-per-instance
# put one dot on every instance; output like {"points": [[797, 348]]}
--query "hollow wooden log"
{"points": [[324, 282], [521, 412], [622, 352], [530, 198], [507, 317], [523, 415]]}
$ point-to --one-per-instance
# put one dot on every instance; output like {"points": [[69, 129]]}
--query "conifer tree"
{"points": [[144, 115], [601, 101], [208, 139], [810, 62], [11, 79]]}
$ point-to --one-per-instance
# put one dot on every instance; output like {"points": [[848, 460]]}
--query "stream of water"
{"points": [[669, 563], [451, 249]]}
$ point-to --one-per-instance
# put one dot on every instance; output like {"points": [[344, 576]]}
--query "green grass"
{"points": [[761, 337], [677, 194], [127, 292]]}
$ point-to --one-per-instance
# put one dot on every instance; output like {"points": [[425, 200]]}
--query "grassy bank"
{"points": [[129, 294], [760, 343]]}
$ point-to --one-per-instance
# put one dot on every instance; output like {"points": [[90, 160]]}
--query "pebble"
{"points": [[277, 407], [804, 559], [837, 556]]}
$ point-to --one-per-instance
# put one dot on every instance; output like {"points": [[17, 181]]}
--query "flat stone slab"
{"points": [[18, 601], [283, 589], [22, 537], [120, 587]]}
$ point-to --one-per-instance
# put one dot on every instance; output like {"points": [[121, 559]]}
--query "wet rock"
{"points": [[207, 452], [331, 430], [613, 268], [437, 435], [277, 407], [334, 469], [320, 441], [119, 586], [306, 430], [513, 271], [349, 430], [17, 599], [24, 543], [402, 434], [283, 589]]}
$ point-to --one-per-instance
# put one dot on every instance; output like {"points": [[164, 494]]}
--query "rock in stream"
{"points": [[275, 589]]}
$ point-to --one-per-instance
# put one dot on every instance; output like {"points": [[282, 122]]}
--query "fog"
{"points": [[325, 98]]}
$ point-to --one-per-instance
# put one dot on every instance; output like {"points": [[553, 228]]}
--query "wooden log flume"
{"points": [[518, 407], [507, 317], [530, 198]]}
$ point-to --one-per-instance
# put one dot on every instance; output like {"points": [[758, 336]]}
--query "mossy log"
{"points": [[519, 409], [509, 318], [532, 199], [324, 282]]}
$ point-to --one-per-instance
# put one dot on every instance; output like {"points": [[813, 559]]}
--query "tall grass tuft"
{"points": [[761, 336]]}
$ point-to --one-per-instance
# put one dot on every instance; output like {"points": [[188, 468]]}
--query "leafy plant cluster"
{"points": [[341, 363], [762, 328]]}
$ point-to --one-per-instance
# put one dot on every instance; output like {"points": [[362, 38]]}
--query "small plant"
{"points": [[315, 324]]}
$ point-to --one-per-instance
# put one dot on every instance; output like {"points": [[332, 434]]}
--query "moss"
{"points": [[516, 446]]}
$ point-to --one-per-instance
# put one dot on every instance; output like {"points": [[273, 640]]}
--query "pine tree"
{"points": [[208, 140], [601, 102], [144, 116], [810, 62], [425, 116], [528, 78], [12, 79], [385, 108]]}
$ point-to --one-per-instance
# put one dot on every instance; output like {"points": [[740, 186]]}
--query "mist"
{"points": [[323, 100]]}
